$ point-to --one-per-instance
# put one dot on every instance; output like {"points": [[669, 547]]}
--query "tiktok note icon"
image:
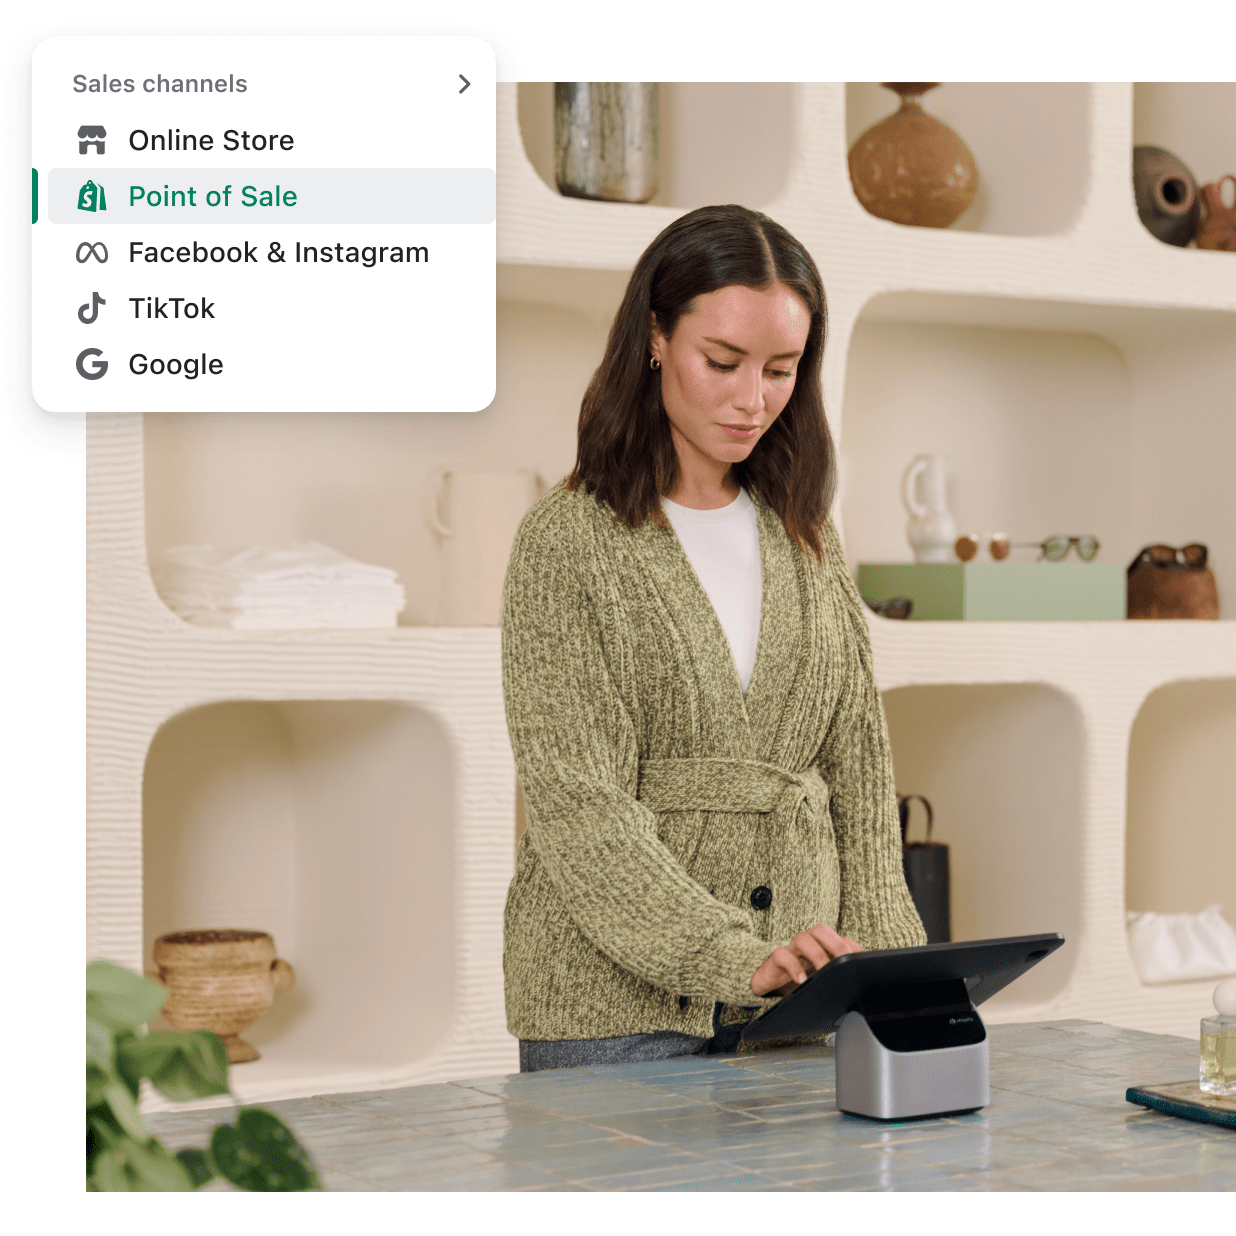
{"points": [[97, 367], [89, 312]]}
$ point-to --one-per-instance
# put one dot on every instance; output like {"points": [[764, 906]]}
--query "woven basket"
{"points": [[221, 981]]}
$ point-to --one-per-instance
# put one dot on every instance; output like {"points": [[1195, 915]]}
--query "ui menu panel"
{"points": [[266, 224]]}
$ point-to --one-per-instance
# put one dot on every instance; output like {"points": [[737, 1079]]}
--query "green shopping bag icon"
{"points": [[91, 197]]}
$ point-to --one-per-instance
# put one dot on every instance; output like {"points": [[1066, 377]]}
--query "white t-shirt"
{"points": [[723, 548]]}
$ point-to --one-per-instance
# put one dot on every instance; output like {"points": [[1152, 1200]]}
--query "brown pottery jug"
{"points": [[1166, 195], [912, 168], [221, 981]]}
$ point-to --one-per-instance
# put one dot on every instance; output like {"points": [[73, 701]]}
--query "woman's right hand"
{"points": [[787, 967]]}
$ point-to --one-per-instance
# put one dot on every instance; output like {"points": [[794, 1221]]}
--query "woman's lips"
{"points": [[742, 433]]}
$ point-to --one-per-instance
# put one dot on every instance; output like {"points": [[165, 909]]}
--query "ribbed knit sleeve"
{"points": [[856, 762], [575, 752]]}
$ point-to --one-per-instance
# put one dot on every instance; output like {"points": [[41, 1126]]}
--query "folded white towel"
{"points": [[299, 586], [1169, 948]]}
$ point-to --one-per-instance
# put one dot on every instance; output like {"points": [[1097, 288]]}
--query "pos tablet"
{"points": [[910, 1041]]}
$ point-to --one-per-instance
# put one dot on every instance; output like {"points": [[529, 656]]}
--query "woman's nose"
{"points": [[750, 394]]}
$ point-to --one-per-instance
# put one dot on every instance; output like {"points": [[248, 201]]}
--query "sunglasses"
{"points": [[894, 607], [1193, 556], [1053, 549]]}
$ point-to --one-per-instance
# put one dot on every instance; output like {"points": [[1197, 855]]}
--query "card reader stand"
{"points": [[914, 1049], [910, 1041]]}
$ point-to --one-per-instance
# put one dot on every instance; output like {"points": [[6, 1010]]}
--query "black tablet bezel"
{"points": [[823, 1000]]}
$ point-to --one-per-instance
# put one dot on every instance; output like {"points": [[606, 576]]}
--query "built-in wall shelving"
{"points": [[354, 791]]}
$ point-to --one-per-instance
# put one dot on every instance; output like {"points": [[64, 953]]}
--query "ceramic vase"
{"points": [[1168, 203], [912, 168], [221, 981], [1217, 229], [606, 140], [931, 529], [475, 516]]}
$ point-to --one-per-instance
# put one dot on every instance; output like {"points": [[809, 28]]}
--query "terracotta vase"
{"points": [[912, 168], [606, 140], [221, 981], [1217, 229], [1166, 194]]}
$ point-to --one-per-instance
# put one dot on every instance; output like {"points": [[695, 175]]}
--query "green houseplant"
{"points": [[257, 1152]]}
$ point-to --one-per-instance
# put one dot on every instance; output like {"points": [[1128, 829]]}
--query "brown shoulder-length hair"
{"points": [[626, 456]]}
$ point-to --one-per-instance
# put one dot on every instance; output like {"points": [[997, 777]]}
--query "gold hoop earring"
{"points": [[653, 363]]}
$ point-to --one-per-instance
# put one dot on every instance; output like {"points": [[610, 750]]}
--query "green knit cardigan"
{"points": [[659, 799]]}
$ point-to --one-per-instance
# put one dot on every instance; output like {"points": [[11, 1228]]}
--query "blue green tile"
{"points": [[766, 1121]]}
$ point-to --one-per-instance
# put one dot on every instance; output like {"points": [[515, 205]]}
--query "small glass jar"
{"points": [[1217, 1069]]}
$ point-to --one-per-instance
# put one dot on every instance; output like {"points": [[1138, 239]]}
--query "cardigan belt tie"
{"points": [[717, 784]]}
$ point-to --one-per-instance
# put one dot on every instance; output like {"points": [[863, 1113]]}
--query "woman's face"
{"points": [[729, 369]]}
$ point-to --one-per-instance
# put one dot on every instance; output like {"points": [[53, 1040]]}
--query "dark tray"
{"points": [[1186, 1100]]}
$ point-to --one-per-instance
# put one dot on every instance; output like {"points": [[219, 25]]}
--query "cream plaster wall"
{"points": [[1194, 120], [1002, 767], [1182, 802], [1035, 426], [1056, 309], [358, 482]]}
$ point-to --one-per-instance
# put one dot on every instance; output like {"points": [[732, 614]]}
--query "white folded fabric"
{"points": [[1169, 948], [301, 586]]}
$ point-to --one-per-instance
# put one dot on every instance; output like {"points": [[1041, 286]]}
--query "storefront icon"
{"points": [[91, 135]]}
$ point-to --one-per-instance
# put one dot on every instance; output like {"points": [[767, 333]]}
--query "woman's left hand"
{"points": [[788, 967]]}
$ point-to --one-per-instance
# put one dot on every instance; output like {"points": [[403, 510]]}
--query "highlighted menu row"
{"points": [[269, 195]]}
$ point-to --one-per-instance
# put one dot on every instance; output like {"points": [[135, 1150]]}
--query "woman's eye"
{"points": [[712, 364], [781, 373]]}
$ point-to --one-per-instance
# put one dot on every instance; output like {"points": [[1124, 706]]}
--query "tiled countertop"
{"points": [[765, 1120]]}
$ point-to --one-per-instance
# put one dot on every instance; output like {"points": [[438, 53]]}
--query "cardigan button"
{"points": [[761, 897], [684, 1002]]}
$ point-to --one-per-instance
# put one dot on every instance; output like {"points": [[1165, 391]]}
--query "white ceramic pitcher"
{"points": [[931, 529], [476, 515]]}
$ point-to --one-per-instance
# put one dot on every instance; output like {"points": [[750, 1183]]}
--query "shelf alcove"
{"points": [[1030, 141], [332, 825], [1001, 766], [1191, 119], [719, 141], [358, 482], [1181, 833], [1054, 416]]}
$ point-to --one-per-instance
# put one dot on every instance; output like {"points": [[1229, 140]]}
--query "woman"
{"points": [[687, 672]]}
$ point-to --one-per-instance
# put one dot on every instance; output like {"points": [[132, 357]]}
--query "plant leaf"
{"points": [[260, 1153], [97, 1082], [125, 1110], [197, 1164], [98, 1043], [119, 998], [127, 1166], [108, 1174], [122, 1066], [188, 1065]]}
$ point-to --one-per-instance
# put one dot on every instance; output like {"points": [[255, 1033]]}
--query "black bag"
{"points": [[926, 867]]}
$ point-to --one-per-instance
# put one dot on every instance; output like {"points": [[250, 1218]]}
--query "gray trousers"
{"points": [[538, 1054]]}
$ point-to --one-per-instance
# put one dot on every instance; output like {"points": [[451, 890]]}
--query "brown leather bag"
{"points": [[1171, 591]]}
